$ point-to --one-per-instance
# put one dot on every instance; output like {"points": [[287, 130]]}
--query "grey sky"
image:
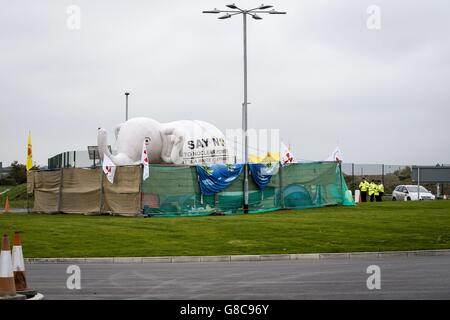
{"points": [[318, 74]]}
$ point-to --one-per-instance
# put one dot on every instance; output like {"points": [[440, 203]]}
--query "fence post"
{"points": [[141, 208], [281, 186], [353, 178], [61, 176], [201, 193], [28, 204], [418, 183], [215, 203], [382, 174], [101, 190]]}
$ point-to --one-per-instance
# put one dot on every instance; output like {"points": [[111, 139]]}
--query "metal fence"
{"points": [[73, 159], [390, 175]]}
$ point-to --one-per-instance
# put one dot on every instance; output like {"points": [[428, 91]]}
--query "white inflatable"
{"points": [[178, 142]]}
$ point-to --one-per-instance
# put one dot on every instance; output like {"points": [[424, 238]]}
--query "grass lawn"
{"points": [[17, 196], [366, 227]]}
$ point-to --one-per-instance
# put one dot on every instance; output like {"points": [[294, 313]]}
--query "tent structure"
{"points": [[268, 158]]}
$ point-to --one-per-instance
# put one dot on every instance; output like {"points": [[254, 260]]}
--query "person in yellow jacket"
{"points": [[364, 187], [372, 189], [380, 188], [376, 192]]}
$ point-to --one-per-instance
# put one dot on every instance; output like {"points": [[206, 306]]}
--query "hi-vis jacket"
{"points": [[381, 187], [364, 186], [373, 189]]}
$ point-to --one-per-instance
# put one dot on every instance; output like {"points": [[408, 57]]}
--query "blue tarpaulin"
{"points": [[216, 177], [263, 172]]}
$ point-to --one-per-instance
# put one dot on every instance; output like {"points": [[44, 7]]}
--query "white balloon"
{"points": [[178, 142]]}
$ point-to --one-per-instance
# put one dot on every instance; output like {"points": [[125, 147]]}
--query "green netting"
{"points": [[175, 191]]}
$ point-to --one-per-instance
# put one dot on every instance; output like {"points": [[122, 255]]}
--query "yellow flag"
{"points": [[29, 153]]}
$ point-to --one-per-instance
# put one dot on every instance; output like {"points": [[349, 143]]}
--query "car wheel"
{"points": [[394, 199], [409, 199]]}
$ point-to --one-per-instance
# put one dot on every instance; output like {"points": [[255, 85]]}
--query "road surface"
{"points": [[401, 278]]}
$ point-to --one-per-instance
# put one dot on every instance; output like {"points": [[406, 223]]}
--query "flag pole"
{"points": [[29, 154], [28, 205]]}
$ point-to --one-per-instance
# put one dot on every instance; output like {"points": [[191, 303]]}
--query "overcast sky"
{"points": [[318, 74]]}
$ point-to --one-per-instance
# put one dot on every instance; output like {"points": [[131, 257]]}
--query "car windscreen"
{"points": [[414, 189]]}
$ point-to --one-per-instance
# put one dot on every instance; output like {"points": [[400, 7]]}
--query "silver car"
{"points": [[409, 192]]}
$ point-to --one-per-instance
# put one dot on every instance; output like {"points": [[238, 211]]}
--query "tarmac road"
{"points": [[401, 278]]}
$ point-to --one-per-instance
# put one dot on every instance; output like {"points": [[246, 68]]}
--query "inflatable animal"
{"points": [[178, 142]]}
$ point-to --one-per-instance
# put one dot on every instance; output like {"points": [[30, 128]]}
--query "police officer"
{"points": [[364, 187], [376, 191], [372, 189], [380, 190]]}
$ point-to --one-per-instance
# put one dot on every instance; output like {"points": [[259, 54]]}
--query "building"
{"points": [[4, 170]]}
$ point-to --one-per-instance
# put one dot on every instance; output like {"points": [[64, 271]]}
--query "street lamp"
{"points": [[126, 105], [254, 13]]}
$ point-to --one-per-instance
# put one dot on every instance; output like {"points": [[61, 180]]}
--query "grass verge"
{"points": [[17, 197], [368, 227]]}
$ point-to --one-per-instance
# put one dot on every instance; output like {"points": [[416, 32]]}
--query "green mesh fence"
{"points": [[175, 191]]}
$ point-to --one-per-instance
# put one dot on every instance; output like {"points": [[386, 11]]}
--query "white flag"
{"points": [[286, 155], [144, 161], [336, 156], [109, 168]]}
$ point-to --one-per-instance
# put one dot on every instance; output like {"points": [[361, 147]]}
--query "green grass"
{"points": [[16, 192], [3, 188], [17, 196], [367, 227]]}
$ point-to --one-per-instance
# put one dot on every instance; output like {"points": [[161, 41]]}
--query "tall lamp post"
{"points": [[126, 105], [254, 13]]}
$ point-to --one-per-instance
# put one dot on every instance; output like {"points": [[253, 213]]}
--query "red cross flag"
{"points": [[109, 168], [286, 155], [145, 162]]}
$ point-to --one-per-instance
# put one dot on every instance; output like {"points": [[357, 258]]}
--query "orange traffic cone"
{"points": [[6, 205], [7, 286], [18, 264]]}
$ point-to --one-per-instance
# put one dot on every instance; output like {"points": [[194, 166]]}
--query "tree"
{"points": [[405, 175], [18, 172], [6, 181]]}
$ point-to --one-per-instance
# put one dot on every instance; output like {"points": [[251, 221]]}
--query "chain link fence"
{"points": [[390, 175]]}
